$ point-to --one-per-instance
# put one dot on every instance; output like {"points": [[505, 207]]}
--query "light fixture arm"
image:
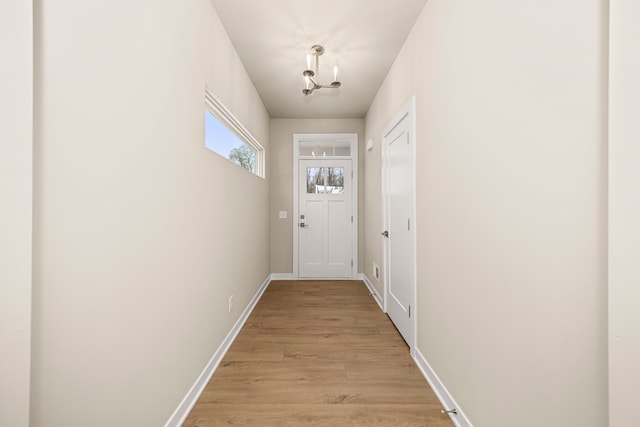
{"points": [[310, 76]]}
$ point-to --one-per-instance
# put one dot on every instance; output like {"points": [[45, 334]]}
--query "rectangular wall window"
{"points": [[225, 135], [218, 138]]}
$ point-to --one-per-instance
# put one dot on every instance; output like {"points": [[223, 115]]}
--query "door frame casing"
{"points": [[409, 110], [352, 138]]}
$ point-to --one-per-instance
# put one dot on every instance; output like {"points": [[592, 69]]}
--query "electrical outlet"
{"points": [[230, 303]]}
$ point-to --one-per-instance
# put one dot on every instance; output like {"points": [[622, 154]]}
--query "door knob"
{"points": [[303, 225], [385, 233]]}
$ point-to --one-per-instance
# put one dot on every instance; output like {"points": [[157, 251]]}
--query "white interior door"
{"points": [[398, 176], [325, 218]]}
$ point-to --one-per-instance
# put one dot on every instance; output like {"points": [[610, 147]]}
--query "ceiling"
{"points": [[361, 37]]}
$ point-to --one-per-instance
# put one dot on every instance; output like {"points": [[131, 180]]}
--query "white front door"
{"points": [[398, 176], [325, 219]]}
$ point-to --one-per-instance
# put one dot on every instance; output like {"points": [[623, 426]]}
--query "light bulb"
{"points": [[307, 82], [308, 61], [335, 73]]}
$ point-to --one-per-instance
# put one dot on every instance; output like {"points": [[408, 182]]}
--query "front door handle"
{"points": [[303, 225], [385, 233]]}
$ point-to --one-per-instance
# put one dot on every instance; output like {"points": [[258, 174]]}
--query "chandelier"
{"points": [[311, 77]]}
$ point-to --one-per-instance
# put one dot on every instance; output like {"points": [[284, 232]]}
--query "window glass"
{"points": [[335, 180], [325, 180], [315, 180], [324, 149], [343, 151], [223, 141]]}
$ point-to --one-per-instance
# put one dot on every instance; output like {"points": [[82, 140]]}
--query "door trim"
{"points": [[352, 138], [409, 110]]}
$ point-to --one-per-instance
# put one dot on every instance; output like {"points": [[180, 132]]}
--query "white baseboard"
{"points": [[373, 291], [182, 411], [448, 402], [281, 276]]}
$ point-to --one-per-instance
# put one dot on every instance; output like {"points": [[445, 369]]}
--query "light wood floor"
{"points": [[318, 353]]}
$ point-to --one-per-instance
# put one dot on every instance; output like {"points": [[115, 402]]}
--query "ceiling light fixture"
{"points": [[311, 76]]}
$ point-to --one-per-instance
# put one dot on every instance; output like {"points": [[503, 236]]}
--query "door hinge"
{"points": [[409, 224], [409, 311], [351, 174], [351, 263], [351, 219]]}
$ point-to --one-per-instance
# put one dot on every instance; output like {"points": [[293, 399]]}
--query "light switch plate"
{"points": [[283, 215]]}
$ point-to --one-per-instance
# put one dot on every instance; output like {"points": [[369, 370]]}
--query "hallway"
{"points": [[322, 354], [131, 253]]}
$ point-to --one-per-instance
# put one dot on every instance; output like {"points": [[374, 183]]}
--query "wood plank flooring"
{"points": [[318, 353]]}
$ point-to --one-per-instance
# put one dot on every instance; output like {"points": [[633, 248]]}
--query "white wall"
{"points": [[511, 204], [281, 165], [624, 213], [16, 154], [141, 234]]}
